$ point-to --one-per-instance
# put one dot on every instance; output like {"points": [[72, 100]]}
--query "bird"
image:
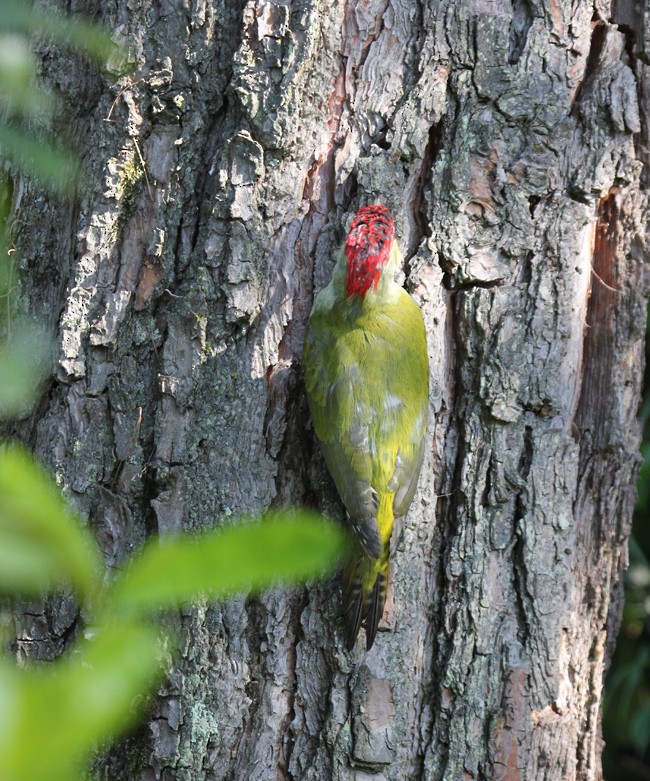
{"points": [[366, 375]]}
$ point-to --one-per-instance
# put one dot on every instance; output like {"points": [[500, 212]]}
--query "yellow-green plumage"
{"points": [[366, 375]]}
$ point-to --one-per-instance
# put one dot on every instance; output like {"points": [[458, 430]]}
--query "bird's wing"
{"points": [[342, 426], [408, 464], [404, 419]]}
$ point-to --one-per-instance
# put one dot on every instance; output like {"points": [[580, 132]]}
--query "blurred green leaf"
{"points": [[55, 168], [290, 546], [25, 361], [79, 34], [640, 728], [41, 543], [19, 95], [18, 92], [52, 718], [625, 682]]}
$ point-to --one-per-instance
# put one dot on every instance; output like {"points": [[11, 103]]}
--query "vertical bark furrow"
{"points": [[419, 214], [522, 19], [599, 348]]}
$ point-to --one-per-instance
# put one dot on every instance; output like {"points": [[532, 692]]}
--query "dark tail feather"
{"points": [[374, 609], [352, 605], [363, 607]]}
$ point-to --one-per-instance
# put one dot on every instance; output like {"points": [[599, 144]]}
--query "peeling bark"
{"points": [[510, 140]]}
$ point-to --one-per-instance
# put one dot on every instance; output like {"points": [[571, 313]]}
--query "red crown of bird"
{"points": [[367, 248]]}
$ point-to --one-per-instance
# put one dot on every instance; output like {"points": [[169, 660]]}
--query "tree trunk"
{"points": [[510, 140]]}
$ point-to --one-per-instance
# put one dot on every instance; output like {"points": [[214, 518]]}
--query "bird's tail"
{"points": [[365, 581]]}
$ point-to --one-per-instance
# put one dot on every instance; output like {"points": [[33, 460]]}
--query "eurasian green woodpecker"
{"points": [[367, 379]]}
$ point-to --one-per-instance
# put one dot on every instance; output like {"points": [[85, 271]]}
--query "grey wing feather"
{"points": [[404, 481], [361, 499]]}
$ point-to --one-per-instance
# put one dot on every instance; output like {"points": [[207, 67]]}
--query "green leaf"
{"points": [[640, 728], [18, 89], [25, 361], [292, 546], [53, 167], [52, 718], [81, 35], [41, 543]]}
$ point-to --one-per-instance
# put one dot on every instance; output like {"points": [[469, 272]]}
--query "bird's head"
{"points": [[368, 249]]}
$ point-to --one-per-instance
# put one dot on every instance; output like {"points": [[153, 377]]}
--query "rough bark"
{"points": [[510, 140]]}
